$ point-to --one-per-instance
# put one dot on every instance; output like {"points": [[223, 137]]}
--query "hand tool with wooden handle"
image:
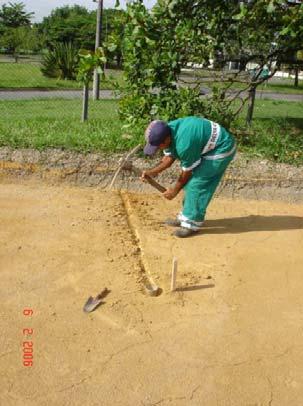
{"points": [[129, 166]]}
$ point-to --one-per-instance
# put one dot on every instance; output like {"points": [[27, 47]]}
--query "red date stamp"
{"points": [[28, 345]]}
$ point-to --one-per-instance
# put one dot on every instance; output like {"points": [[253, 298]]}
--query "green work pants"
{"points": [[200, 189]]}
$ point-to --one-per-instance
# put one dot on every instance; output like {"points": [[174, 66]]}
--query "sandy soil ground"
{"points": [[230, 335]]}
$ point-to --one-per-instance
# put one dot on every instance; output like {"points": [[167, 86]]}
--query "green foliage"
{"points": [[159, 43], [137, 109], [113, 34], [77, 25], [299, 56], [14, 15], [69, 24], [61, 62], [15, 30], [15, 40], [89, 61], [156, 46]]}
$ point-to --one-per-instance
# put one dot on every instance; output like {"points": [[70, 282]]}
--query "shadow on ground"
{"points": [[195, 287], [252, 223]]}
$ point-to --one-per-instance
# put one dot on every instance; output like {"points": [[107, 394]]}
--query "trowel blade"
{"points": [[91, 304]]}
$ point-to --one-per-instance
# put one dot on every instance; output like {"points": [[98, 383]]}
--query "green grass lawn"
{"points": [[56, 124], [285, 86], [278, 109], [28, 75], [276, 133]]}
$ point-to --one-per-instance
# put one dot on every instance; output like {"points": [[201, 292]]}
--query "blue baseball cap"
{"points": [[155, 134]]}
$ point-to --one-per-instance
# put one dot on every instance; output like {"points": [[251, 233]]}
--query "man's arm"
{"points": [[165, 163], [181, 182]]}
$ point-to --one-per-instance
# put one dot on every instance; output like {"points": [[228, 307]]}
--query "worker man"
{"points": [[204, 149]]}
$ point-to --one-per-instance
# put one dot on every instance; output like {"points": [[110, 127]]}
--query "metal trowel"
{"points": [[93, 302]]}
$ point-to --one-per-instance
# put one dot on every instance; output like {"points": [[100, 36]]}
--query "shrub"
{"points": [[61, 61]]}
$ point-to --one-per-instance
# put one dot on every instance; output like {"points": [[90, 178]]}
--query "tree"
{"points": [[69, 24], [77, 25], [14, 15], [158, 44], [15, 29], [89, 61], [15, 40]]}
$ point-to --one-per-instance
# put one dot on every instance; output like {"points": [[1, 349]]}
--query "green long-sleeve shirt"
{"points": [[194, 137]]}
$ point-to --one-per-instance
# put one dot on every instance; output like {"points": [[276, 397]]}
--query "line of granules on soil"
{"points": [[146, 278]]}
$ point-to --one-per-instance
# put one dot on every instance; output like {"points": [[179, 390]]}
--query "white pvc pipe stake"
{"points": [[174, 275]]}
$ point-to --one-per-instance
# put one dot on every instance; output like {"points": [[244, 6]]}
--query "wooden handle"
{"points": [[149, 179], [155, 184]]}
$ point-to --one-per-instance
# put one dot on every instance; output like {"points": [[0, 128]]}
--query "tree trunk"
{"points": [[296, 76], [251, 104], [85, 102], [242, 64]]}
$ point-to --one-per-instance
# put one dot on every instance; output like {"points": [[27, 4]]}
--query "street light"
{"points": [[96, 84]]}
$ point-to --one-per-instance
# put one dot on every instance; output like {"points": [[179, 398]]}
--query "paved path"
{"points": [[108, 94]]}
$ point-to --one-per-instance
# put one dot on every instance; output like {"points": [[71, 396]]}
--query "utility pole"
{"points": [[96, 84]]}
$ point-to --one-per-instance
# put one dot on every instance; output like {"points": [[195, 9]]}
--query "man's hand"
{"points": [[166, 162], [169, 194], [148, 173]]}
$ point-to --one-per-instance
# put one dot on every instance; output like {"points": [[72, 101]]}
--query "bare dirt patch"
{"points": [[230, 335]]}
